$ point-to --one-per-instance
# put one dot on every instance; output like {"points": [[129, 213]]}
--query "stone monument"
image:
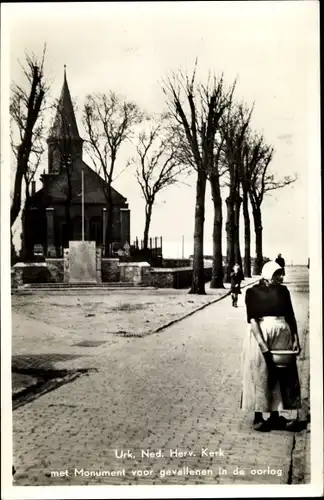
{"points": [[82, 262]]}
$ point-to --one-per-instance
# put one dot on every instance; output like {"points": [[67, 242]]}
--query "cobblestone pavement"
{"points": [[170, 393]]}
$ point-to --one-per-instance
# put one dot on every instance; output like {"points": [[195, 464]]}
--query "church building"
{"points": [[73, 203]]}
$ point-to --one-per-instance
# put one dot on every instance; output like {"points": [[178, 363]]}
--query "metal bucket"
{"points": [[283, 358]]}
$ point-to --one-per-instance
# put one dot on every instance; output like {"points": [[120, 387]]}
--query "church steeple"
{"points": [[64, 139]]}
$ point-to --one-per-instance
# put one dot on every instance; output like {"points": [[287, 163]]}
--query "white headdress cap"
{"points": [[269, 269]]}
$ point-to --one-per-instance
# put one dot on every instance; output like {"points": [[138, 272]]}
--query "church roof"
{"points": [[64, 124], [94, 187]]}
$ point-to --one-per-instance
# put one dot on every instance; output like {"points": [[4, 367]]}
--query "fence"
{"points": [[153, 254]]}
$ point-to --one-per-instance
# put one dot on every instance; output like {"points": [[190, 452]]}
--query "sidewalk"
{"points": [[176, 391]]}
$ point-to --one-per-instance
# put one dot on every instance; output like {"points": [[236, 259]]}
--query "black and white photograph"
{"points": [[160, 249]]}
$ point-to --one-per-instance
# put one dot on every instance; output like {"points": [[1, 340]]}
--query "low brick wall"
{"points": [[172, 277], [35, 274], [134, 272], [55, 270], [16, 278], [172, 263], [110, 271], [31, 272]]}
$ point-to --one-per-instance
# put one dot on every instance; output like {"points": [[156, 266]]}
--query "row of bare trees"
{"points": [[203, 131], [214, 136]]}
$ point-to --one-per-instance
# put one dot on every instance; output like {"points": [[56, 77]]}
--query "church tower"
{"points": [[64, 142]]}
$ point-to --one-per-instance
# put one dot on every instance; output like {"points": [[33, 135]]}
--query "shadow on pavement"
{"points": [[35, 374], [22, 362], [301, 425]]}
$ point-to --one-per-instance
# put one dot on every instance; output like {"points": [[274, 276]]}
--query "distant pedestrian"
{"points": [[236, 279], [281, 261], [272, 326]]}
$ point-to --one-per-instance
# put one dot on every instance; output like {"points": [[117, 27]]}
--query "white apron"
{"points": [[256, 395]]}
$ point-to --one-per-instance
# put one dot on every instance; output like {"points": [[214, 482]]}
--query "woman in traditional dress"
{"points": [[272, 326]]}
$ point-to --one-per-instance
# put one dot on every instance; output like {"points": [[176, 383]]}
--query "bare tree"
{"points": [[262, 182], [233, 130], [109, 121], [257, 190], [215, 175], [253, 153], [36, 153], [26, 109], [158, 166], [35, 159], [195, 111]]}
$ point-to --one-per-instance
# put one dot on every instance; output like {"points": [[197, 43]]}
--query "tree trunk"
{"points": [[110, 209], [13, 253], [217, 270], [198, 276], [33, 109], [230, 238], [26, 244], [68, 221], [148, 216], [110, 212], [67, 208], [247, 235], [258, 240], [236, 235], [16, 202]]}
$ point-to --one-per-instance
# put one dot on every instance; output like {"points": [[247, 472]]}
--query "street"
{"points": [[162, 409]]}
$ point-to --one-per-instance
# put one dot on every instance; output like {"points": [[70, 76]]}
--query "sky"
{"points": [[271, 48]]}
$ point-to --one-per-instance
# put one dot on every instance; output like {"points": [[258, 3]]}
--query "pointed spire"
{"points": [[64, 124]]}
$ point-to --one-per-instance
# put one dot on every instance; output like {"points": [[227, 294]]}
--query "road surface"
{"points": [[163, 409]]}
